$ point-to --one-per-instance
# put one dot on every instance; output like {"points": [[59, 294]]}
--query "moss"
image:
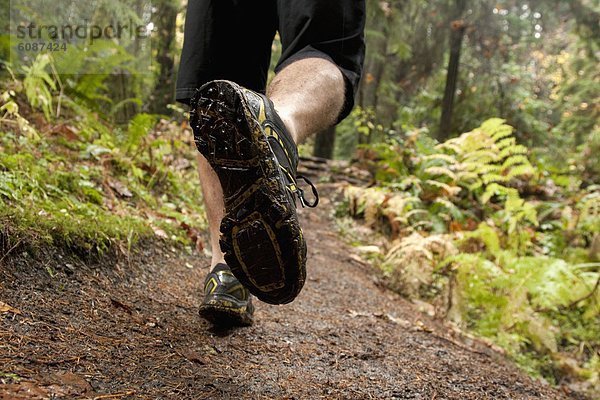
{"points": [[89, 197], [92, 195]]}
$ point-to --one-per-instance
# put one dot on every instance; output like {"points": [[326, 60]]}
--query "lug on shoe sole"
{"points": [[260, 234]]}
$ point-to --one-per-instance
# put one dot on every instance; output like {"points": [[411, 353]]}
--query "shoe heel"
{"points": [[265, 250], [222, 135]]}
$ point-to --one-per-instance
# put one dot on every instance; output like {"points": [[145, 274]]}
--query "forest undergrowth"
{"points": [[71, 178], [494, 244]]}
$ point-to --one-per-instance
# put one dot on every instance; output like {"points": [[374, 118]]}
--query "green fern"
{"points": [[589, 217], [486, 155], [39, 84], [518, 301]]}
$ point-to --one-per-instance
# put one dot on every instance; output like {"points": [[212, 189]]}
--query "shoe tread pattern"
{"points": [[260, 233]]}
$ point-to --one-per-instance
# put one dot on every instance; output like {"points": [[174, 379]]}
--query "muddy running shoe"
{"points": [[255, 158], [226, 301]]}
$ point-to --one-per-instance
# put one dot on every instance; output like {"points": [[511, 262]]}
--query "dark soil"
{"points": [[130, 329]]}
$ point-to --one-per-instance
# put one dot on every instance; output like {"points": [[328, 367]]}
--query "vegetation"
{"points": [[71, 178], [479, 123], [470, 234], [499, 227]]}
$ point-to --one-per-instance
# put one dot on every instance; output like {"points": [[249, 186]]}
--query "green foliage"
{"points": [[442, 180], [39, 84], [8, 378], [488, 155], [361, 121], [588, 223], [139, 127], [531, 306], [103, 90], [465, 237], [534, 64], [90, 186], [12, 116], [591, 163]]}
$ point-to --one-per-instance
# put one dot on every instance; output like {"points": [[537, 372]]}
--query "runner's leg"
{"points": [[224, 39], [308, 95]]}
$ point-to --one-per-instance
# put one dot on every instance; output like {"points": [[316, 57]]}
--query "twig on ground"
{"points": [[10, 250]]}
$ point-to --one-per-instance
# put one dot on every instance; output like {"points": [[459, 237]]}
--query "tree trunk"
{"points": [[376, 58], [456, 39], [586, 16], [325, 143], [121, 87], [166, 20]]}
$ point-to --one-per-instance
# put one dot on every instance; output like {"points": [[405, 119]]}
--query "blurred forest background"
{"points": [[478, 122]]}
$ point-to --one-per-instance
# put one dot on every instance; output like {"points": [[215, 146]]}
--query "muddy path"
{"points": [[130, 330]]}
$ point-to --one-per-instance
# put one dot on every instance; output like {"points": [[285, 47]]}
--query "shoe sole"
{"points": [[260, 234], [222, 315]]}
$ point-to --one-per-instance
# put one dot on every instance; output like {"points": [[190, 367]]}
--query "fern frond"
{"points": [[488, 169], [490, 178], [475, 186], [466, 176], [451, 145], [515, 160], [442, 157], [495, 189], [420, 224], [476, 142], [513, 150], [497, 137], [507, 142], [482, 156], [493, 124], [519, 170], [441, 171], [450, 190], [501, 132], [418, 211], [454, 211]]}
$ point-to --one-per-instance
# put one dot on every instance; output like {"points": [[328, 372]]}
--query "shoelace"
{"points": [[300, 193]]}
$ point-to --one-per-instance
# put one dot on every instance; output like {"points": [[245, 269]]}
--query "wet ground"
{"points": [[130, 330]]}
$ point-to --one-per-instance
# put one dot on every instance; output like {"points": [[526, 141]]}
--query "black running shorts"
{"points": [[232, 39]]}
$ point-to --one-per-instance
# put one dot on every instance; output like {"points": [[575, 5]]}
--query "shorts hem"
{"points": [[184, 95]]}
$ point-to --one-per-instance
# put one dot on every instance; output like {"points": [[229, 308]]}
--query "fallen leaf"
{"points": [[397, 321], [199, 245], [357, 258], [67, 131], [160, 233], [23, 390], [424, 307], [74, 381], [354, 314], [120, 188], [5, 308], [456, 226], [194, 235]]}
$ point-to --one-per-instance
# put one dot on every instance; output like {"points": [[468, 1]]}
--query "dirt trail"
{"points": [[132, 331]]}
